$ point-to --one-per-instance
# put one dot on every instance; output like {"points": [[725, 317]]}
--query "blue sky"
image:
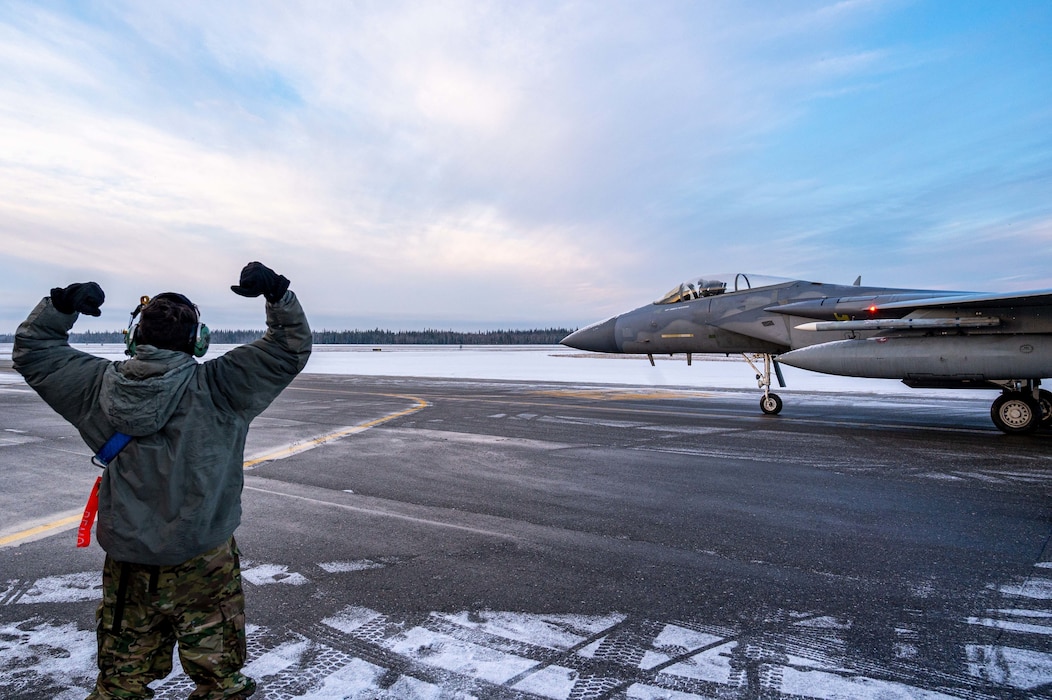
{"points": [[479, 165]]}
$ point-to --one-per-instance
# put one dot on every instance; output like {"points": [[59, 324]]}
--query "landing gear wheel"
{"points": [[771, 404], [1015, 413], [1044, 400]]}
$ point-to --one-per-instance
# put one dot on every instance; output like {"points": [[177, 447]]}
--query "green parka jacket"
{"points": [[175, 490]]}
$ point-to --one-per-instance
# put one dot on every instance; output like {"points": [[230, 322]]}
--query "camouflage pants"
{"points": [[198, 604]]}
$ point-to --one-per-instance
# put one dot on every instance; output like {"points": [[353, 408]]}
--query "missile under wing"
{"points": [[925, 338]]}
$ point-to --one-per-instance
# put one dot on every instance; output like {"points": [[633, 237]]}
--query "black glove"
{"points": [[257, 278], [82, 297]]}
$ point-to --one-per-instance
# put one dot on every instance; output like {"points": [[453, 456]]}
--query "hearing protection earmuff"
{"points": [[197, 343], [133, 327]]}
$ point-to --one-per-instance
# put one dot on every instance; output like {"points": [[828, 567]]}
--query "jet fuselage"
{"points": [[922, 337]]}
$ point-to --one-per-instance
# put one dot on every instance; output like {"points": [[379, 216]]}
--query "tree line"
{"points": [[376, 336]]}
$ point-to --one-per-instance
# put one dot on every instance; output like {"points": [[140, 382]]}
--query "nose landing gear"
{"points": [[770, 402]]}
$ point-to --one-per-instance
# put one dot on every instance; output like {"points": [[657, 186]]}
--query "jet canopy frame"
{"points": [[714, 285]]}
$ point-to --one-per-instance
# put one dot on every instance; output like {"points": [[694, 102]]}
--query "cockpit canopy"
{"points": [[712, 285]]}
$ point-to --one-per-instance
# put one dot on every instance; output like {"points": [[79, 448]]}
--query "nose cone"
{"points": [[598, 337]]}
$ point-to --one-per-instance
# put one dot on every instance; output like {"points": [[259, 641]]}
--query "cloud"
{"points": [[483, 161]]}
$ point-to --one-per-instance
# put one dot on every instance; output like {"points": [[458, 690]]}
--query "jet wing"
{"points": [[899, 304], [981, 300], [897, 313]]}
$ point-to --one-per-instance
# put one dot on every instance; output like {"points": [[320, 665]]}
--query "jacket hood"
{"points": [[139, 395]]}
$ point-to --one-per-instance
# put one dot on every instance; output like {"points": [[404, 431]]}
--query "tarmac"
{"points": [[449, 538]]}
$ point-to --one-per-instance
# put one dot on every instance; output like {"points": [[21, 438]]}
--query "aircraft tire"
{"points": [[1044, 399], [771, 404], [1015, 413]]}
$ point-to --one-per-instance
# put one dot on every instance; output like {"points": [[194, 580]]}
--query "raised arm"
{"points": [[250, 377], [64, 377]]}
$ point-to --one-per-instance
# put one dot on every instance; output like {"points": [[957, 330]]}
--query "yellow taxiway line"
{"points": [[40, 529], [310, 444], [624, 394], [296, 448]]}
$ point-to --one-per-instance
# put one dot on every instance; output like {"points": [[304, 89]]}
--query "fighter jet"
{"points": [[925, 338]]}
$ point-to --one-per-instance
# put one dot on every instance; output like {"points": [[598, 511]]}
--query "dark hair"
{"points": [[167, 323]]}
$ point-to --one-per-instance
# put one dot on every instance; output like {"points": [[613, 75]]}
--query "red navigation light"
{"points": [[873, 309]]}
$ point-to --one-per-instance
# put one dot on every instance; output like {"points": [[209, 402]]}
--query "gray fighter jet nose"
{"points": [[598, 337]]}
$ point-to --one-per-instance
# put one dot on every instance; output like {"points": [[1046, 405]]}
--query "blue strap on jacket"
{"points": [[105, 455], [110, 450]]}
